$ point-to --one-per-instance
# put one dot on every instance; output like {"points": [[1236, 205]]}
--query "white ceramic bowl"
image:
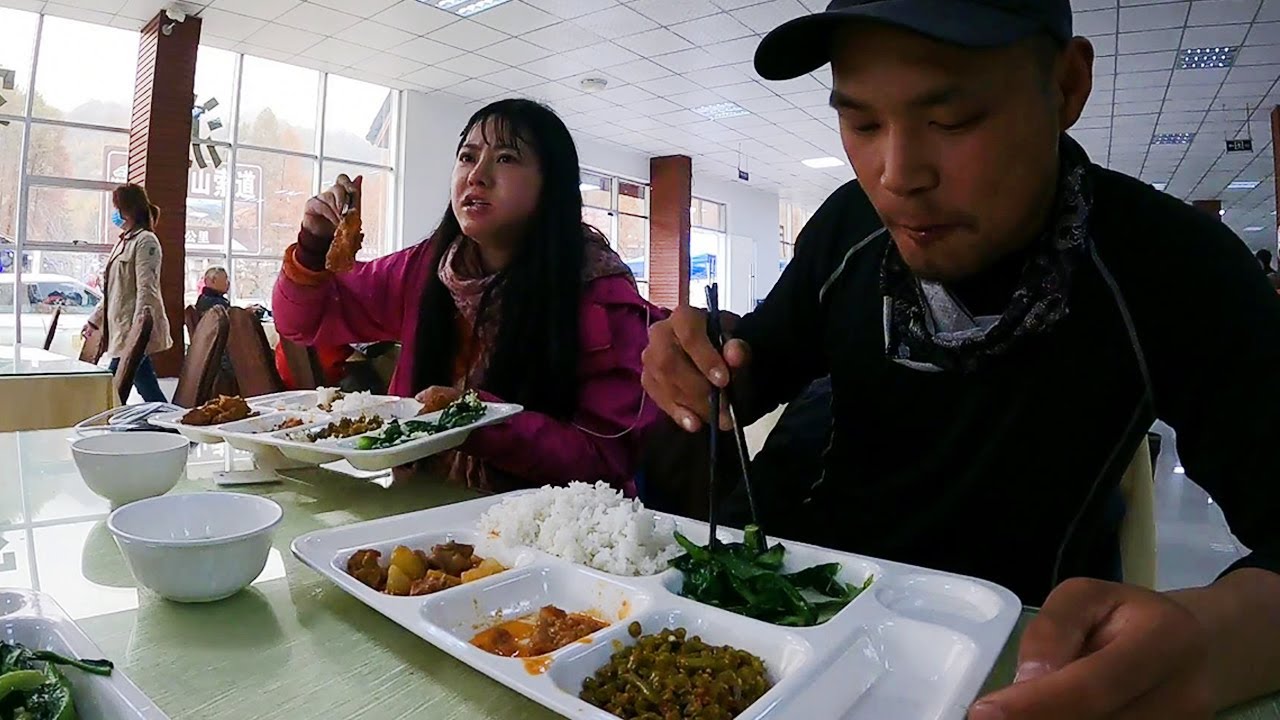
{"points": [[127, 466], [196, 547]]}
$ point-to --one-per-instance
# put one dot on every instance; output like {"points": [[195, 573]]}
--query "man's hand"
{"points": [[1102, 650], [680, 365], [437, 398]]}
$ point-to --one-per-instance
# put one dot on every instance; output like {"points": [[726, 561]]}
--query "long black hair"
{"points": [[534, 361]]}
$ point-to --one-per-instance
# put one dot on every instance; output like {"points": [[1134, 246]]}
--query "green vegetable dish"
{"points": [[747, 579], [33, 688], [671, 676], [464, 411]]}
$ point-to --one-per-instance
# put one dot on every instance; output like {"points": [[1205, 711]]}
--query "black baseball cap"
{"points": [[803, 45]]}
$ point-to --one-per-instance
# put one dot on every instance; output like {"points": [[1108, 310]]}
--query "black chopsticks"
{"points": [[715, 333]]}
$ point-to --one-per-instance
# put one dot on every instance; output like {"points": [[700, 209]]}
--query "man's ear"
{"points": [[1073, 81]]}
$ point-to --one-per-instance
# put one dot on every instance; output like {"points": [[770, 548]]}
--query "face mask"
{"points": [[117, 219]]}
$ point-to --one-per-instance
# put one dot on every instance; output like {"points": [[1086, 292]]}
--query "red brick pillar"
{"points": [[1213, 207], [159, 147], [670, 195]]}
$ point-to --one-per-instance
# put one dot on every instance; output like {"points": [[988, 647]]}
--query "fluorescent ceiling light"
{"points": [[588, 187], [719, 111], [1159, 186], [1243, 185], [823, 162], [1206, 57], [465, 8], [1253, 228], [1182, 138]]}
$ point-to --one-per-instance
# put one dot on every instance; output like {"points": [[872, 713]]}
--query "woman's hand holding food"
{"points": [[437, 398], [681, 364], [324, 211]]}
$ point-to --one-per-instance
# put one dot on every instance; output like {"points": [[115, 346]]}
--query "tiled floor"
{"points": [[1193, 543]]}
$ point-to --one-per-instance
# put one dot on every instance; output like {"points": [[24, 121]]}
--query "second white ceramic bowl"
{"points": [[127, 466]]}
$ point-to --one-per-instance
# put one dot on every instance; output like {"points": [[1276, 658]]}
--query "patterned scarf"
{"points": [[464, 276], [927, 328]]}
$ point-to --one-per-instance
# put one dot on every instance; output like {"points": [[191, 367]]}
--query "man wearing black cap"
{"points": [[994, 313]]}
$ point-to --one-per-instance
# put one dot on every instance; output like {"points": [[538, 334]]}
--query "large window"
{"points": [[61, 116], [793, 219], [620, 209], [708, 243], [275, 135]]}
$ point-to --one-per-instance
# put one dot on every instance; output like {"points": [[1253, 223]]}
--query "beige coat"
{"points": [[132, 282]]}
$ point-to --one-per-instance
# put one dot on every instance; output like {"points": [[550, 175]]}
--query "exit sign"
{"points": [[1240, 145]]}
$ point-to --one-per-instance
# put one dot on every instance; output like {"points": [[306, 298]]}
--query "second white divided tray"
{"points": [[918, 644], [257, 434]]}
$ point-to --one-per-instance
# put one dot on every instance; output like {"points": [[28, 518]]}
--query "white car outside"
{"points": [[41, 293]]}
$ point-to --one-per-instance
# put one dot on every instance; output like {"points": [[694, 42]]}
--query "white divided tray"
{"points": [[35, 620], [918, 644], [256, 434]]}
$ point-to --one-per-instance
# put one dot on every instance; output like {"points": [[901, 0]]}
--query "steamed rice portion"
{"points": [[592, 525]]}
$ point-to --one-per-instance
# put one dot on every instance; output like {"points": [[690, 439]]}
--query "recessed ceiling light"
{"points": [[1243, 185], [465, 8], [1206, 57], [1159, 186], [1181, 138], [719, 111], [823, 162], [1253, 228]]}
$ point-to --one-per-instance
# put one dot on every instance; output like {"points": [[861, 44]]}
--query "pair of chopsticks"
{"points": [[716, 334]]}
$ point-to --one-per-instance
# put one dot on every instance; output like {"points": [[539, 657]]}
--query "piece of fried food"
{"points": [[223, 409], [347, 240]]}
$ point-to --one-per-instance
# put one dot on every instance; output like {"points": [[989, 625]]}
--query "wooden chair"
{"points": [[251, 357], [204, 359], [93, 348], [53, 327], [135, 350], [191, 318], [304, 365]]}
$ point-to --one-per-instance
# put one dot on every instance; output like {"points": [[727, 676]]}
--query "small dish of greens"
{"points": [[466, 410], [33, 688], [746, 579]]}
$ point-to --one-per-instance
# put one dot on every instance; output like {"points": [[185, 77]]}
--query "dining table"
{"points": [[292, 645], [42, 390]]}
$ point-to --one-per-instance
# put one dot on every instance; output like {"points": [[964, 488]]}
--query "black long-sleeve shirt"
{"points": [[1007, 473]]}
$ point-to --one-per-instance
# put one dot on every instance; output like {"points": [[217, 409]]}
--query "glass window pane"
{"points": [[375, 208], [633, 243], [712, 215], [602, 220], [79, 154], [278, 105], [704, 257], [271, 191], [17, 36], [95, 88], [631, 198], [207, 205], [194, 282], [10, 154], [72, 279], [215, 81], [597, 191], [63, 215], [359, 121], [253, 280]]}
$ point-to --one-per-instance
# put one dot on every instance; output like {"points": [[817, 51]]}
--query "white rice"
{"points": [[585, 524], [354, 402]]}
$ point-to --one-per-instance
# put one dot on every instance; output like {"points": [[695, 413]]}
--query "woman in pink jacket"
{"points": [[512, 295]]}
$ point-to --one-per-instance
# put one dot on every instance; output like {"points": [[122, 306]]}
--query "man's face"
{"points": [[219, 283], [957, 149]]}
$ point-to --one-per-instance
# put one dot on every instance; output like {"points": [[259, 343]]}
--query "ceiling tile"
{"points": [[1153, 17], [569, 9], [768, 15], [229, 25], [1259, 54], [1103, 45], [745, 91], [561, 37], [1263, 33], [1140, 93], [1142, 62], [472, 66], [686, 60], [425, 51], [283, 39], [556, 67], [1149, 41], [388, 65], [468, 35], [625, 94], [1270, 11], [654, 106], [375, 35], [413, 16], [667, 12], [78, 13], [1200, 76], [262, 9], [602, 55], [1192, 92], [615, 22], [696, 98], [654, 42], [712, 29], [639, 71], [1254, 73], [582, 103], [1097, 22], [514, 51], [1218, 12], [515, 18], [362, 8], [552, 91], [1145, 107], [717, 76], [435, 78], [1154, 79], [513, 79], [338, 52], [477, 90], [1214, 35], [317, 19], [140, 9], [670, 85]]}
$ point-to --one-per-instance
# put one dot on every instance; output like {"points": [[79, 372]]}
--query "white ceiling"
{"points": [[664, 57]]}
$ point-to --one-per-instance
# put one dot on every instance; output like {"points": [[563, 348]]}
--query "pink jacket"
{"points": [[379, 301]]}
